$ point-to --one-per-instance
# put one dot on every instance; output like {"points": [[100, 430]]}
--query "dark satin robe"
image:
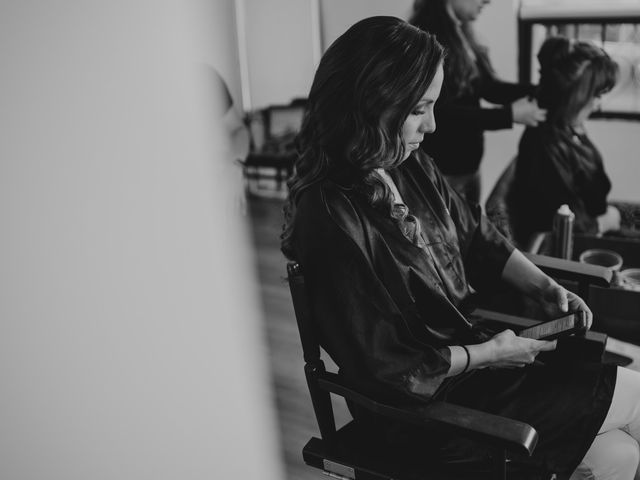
{"points": [[386, 309], [554, 167]]}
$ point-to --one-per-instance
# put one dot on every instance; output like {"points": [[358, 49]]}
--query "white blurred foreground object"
{"points": [[130, 336]]}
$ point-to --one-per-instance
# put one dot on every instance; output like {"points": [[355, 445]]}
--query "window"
{"points": [[612, 24]]}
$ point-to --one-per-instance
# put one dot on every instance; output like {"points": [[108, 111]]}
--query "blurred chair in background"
{"points": [[270, 163]]}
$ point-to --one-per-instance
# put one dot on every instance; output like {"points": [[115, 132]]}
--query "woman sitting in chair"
{"points": [[389, 251], [557, 163]]}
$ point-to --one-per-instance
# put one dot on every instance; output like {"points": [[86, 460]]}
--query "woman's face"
{"points": [[421, 120], [467, 10], [591, 106]]}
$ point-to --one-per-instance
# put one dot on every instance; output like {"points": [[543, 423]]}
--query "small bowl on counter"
{"points": [[602, 258]]}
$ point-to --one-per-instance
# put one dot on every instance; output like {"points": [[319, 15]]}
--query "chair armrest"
{"points": [[509, 321], [502, 432], [570, 270]]}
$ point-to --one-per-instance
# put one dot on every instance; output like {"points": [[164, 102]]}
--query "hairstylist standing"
{"points": [[458, 144]]}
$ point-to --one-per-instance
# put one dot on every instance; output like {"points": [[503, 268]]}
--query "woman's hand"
{"points": [[527, 112], [509, 350], [609, 221], [530, 280], [556, 301]]}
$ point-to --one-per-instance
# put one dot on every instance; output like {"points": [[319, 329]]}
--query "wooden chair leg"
{"points": [[501, 465]]}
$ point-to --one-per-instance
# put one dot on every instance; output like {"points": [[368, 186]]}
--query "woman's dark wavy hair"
{"points": [[571, 74], [366, 84], [460, 69]]}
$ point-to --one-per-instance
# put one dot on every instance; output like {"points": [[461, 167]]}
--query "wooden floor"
{"points": [[296, 418]]}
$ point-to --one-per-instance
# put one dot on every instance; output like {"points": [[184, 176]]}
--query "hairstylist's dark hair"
{"points": [[571, 74], [460, 68], [366, 84]]}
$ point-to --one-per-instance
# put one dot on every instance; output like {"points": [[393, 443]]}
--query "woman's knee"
{"points": [[613, 455], [626, 453], [624, 411]]}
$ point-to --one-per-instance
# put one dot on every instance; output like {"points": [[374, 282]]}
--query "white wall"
{"points": [[280, 50], [130, 339], [619, 143], [339, 15], [222, 53], [497, 29]]}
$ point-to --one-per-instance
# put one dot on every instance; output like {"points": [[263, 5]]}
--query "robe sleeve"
{"points": [[496, 91], [452, 112], [364, 331], [476, 117], [504, 93], [484, 249]]}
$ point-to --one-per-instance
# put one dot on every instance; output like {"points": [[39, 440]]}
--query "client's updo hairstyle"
{"points": [[571, 74]]}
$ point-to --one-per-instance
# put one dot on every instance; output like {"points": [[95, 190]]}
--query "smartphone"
{"points": [[568, 325]]}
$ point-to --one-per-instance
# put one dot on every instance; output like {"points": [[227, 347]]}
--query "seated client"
{"points": [[557, 162], [389, 252]]}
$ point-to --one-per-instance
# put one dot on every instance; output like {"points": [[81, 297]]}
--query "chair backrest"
{"points": [[354, 447], [299, 295], [284, 119], [314, 366], [497, 204], [498, 210]]}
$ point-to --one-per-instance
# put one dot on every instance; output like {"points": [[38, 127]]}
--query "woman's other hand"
{"points": [[520, 273], [509, 350], [610, 220], [556, 301], [527, 112]]}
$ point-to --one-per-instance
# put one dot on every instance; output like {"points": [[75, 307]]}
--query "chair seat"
{"points": [[358, 457]]}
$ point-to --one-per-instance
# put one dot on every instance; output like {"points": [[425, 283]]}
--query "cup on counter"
{"points": [[602, 258]]}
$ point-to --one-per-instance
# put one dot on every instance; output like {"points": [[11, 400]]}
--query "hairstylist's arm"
{"points": [[531, 281]]}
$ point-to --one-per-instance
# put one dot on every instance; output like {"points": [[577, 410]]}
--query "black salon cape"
{"points": [[556, 166], [386, 309]]}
